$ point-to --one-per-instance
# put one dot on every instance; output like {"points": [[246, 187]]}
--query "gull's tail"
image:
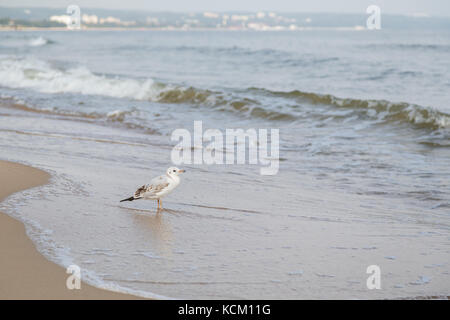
{"points": [[128, 199]]}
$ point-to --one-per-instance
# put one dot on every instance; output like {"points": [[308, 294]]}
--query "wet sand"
{"points": [[24, 272]]}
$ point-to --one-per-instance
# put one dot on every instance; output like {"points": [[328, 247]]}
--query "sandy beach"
{"points": [[25, 273]]}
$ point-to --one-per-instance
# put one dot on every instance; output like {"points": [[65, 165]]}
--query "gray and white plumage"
{"points": [[158, 187]]}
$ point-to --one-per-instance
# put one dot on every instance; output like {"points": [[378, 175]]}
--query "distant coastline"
{"points": [[355, 28], [42, 19]]}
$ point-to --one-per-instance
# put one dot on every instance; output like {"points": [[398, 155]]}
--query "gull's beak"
{"points": [[181, 171]]}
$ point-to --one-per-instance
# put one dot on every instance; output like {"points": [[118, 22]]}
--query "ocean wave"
{"points": [[381, 109], [264, 55], [43, 77], [419, 46], [25, 41], [214, 50], [438, 47], [39, 41], [129, 119]]}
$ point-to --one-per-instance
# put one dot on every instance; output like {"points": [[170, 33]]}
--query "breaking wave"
{"points": [[39, 41], [381, 109], [43, 77]]}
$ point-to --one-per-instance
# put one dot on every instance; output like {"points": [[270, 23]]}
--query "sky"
{"points": [[431, 7]]}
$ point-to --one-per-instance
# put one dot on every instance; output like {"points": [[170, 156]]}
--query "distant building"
{"points": [[210, 15], [257, 26], [128, 23], [111, 20], [260, 15], [117, 21], [93, 19], [236, 17], [61, 19]]}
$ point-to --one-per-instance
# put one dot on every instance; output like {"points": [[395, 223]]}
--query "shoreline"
{"points": [[25, 273]]}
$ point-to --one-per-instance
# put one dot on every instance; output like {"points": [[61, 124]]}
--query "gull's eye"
{"points": [[174, 170]]}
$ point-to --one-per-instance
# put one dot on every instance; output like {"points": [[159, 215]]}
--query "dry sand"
{"points": [[24, 272]]}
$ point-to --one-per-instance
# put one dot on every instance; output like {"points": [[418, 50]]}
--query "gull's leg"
{"points": [[158, 203], [161, 203]]}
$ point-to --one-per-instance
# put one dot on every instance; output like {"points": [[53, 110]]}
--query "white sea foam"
{"points": [[41, 76], [39, 41], [118, 115]]}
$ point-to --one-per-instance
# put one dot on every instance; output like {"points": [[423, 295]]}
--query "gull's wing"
{"points": [[156, 186]]}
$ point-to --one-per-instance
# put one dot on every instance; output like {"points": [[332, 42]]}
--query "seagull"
{"points": [[159, 187]]}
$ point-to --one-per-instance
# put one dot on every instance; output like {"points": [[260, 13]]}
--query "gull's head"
{"points": [[174, 171]]}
